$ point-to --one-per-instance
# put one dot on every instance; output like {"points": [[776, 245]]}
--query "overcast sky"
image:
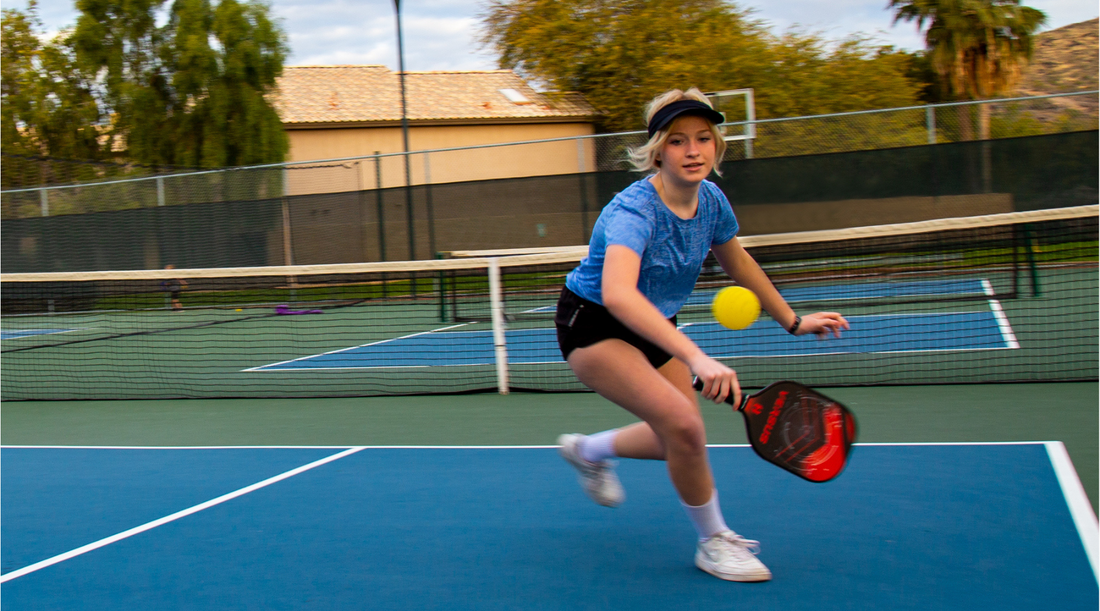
{"points": [[441, 34]]}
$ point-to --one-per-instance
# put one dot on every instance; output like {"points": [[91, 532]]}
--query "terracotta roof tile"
{"points": [[358, 94]]}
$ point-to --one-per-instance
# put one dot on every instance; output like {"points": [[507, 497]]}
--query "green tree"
{"points": [[191, 92], [220, 88], [977, 47], [808, 75], [620, 53], [920, 71], [48, 105]]}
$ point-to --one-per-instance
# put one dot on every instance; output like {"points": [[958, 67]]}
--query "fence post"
{"points": [[930, 122], [410, 213], [44, 202], [584, 190], [160, 190], [380, 209], [428, 203], [381, 215], [750, 116]]}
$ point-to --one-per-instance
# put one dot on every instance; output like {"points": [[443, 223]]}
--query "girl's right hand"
{"points": [[718, 380]]}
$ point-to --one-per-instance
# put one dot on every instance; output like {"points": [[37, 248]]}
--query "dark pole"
{"points": [[405, 132]]}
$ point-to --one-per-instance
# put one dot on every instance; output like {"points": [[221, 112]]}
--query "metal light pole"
{"points": [[405, 133]]}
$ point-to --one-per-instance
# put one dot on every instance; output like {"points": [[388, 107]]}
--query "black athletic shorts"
{"points": [[582, 323]]}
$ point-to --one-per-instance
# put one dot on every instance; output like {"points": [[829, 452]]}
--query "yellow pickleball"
{"points": [[735, 307]]}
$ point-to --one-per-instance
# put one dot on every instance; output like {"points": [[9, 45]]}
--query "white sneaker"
{"points": [[597, 478], [727, 555]]}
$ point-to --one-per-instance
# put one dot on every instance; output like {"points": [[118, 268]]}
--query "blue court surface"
{"points": [[869, 290], [868, 334], [964, 526], [862, 291]]}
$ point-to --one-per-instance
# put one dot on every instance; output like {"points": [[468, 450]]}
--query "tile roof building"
{"points": [[361, 96], [337, 112], [353, 114]]}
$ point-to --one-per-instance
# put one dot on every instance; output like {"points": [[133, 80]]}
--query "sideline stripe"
{"points": [[356, 448], [383, 341], [999, 314], [1078, 501], [171, 518], [508, 447]]}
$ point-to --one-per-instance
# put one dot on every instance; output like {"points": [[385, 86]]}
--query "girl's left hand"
{"points": [[822, 324]]}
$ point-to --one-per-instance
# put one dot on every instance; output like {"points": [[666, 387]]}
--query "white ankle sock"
{"points": [[600, 446], [707, 518]]}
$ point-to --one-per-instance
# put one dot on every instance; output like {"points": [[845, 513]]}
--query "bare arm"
{"points": [[626, 303], [740, 266]]}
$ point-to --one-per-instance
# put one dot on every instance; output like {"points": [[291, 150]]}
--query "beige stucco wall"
{"points": [[438, 167]]}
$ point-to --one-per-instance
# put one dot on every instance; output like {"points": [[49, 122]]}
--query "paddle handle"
{"points": [[697, 384]]}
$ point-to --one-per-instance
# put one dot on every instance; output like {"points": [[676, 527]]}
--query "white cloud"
{"points": [[438, 35]]}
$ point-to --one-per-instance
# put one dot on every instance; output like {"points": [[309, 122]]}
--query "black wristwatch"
{"points": [[794, 325]]}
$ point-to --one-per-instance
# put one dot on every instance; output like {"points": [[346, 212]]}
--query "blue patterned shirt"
{"points": [[672, 249]]}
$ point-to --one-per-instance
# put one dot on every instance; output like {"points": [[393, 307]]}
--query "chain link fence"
{"points": [[28, 171], [843, 132]]}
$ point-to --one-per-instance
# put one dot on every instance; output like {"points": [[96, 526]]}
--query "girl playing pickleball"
{"points": [[616, 322]]}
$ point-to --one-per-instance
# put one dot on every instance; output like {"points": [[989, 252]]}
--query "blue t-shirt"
{"points": [[672, 249]]}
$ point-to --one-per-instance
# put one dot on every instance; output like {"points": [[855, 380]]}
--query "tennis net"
{"points": [[999, 298]]}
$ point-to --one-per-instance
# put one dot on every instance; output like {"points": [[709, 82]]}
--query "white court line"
{"points": [[519, 351], [861, 316], [1079, 507], [999, 314], [493, 447], [64, 447], [356, 448], [29, 332], [392, 339], [518, 363], [172, 518]]}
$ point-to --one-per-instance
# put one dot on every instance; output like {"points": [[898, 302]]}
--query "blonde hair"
{"points": [[644, 158]]}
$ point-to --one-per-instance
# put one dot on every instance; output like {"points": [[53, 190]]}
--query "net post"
{"points": [[496, 309], [442, 279], [1033, 268]]}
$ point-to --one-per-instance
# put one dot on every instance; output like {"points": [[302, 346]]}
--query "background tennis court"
{"points": [[1000, 298]]}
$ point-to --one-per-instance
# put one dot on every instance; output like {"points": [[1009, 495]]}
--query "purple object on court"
{"points": [[285, 309]]}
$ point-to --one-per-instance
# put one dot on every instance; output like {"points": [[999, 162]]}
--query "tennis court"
{"points": [[265, 458], [330, 503], [985, 329]]}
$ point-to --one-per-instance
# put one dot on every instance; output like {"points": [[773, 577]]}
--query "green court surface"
{"points": [[1066, 412]]}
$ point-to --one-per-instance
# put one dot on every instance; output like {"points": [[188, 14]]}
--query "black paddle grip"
{"points": [[698, 385]]}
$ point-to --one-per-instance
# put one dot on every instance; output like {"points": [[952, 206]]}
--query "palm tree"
{"points": [[978, 47]]}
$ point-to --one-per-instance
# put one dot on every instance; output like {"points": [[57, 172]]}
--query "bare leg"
{"points": [[639, 440], [673, 426]]}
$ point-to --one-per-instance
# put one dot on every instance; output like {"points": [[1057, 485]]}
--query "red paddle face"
{"points": [[800, 430]]}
